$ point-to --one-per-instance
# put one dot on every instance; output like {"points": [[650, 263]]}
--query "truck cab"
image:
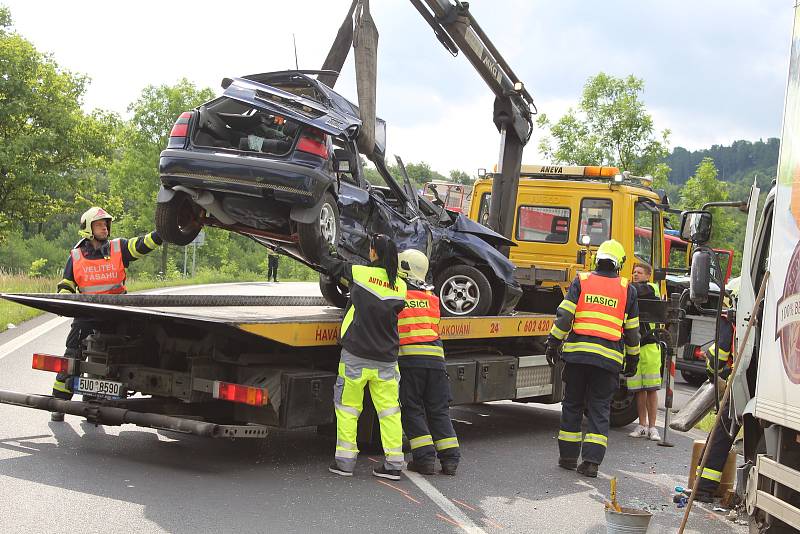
{"points": [[563, 213]]}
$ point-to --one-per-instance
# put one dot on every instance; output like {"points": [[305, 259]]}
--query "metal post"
{"points": [[669, 365], [185, 258], [194, 256]]}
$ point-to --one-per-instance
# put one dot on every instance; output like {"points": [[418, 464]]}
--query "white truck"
{"points": [[765, 394]]}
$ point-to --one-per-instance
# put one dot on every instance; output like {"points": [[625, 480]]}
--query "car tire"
{"points": [[463, 291], [623, 408], [693, 379], [178, 219], [335, 294], [325, 224]]}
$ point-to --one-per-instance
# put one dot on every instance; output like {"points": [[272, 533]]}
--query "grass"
{"points": [[17, 283]]}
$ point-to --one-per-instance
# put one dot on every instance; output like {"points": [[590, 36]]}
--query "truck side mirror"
{"points": [[696, 226], [700, 279], [344, 161], [659, 275]]}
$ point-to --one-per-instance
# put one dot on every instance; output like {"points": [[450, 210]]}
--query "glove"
{"points": [[724, 373], [552, 352], [631, 363]]}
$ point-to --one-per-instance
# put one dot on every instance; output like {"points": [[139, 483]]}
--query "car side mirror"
{"points": [[344, 161], [696, 226], [700, 278], [659, 275]]}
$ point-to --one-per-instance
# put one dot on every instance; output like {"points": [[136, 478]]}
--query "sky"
{"points": [[714, 70]]}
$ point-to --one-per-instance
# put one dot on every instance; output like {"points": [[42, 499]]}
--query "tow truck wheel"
{"points": [[623, 408], [463, 291], [334, 292], [178, 219]]}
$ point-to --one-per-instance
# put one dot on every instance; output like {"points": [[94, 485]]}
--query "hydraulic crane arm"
{"points": [[456, 28]]}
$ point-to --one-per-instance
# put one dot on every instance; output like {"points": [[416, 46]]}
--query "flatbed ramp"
{"points": [[296, 321]]}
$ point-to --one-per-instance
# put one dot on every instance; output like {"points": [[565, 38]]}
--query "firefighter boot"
{"points": [[588, 469]]}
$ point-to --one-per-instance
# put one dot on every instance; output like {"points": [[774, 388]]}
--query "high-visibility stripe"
{"points": [[632, 350], [58, 385], [421, 441], [631, 323], [69, 283], [446, 443], [348, 410], [346, 445], [574, 437], [421, 350], [588, 329], [599, 315], [599, 439], [568, 305], [585, 346], [709, 474], [420, 319], [388, 411], [149, 242], [341, 453], [92, 290], [557, 333], [132, 248], [421, 332]]}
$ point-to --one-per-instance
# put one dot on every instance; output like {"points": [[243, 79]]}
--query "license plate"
{"points": [[98, 388]]}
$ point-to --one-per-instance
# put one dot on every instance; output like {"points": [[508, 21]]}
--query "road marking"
{"points": [[492, 523], [458, 517], [23, 339], [447, 519], [465, 505], [401, 490]]}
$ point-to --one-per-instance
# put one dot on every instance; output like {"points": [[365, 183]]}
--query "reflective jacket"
{"points": [[369, 328], [720, 357], [607, 325], [418, 325], [647, 290], [97, 276], [130, 250]]}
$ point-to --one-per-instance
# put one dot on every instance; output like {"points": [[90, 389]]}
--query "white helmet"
{"points": [[91, 215], [413, 264]]}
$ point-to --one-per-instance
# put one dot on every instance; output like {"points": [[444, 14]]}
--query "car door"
{"points": [[355, 206]]}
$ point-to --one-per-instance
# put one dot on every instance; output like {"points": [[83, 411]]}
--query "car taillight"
{"points": [[177, 136], [698, 353], [55, 364], [238, 393], [313, 141]]}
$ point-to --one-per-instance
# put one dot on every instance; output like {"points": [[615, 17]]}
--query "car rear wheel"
{"points": [[623, 408], [178, 219], [693, 379], [334, 292], [324, 227], [463, 291]]}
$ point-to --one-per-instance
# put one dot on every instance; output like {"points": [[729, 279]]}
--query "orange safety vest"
{"points": [[419, 320], [100, 276], [600, 311]]}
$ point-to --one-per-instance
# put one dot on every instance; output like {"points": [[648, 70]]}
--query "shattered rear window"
{"points": [[230, 124]]}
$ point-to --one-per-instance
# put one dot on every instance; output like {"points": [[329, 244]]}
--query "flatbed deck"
{"points": [[293, 321]]}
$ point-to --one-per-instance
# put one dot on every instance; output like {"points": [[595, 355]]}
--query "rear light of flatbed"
{"points": [[250, 395], [54, 364]]}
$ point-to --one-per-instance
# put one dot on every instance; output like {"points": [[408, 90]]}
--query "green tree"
{"points": [[611, 126], [460, 177], [705, 186], [47, 142]]}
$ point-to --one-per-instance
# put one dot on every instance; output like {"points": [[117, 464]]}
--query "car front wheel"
{"points": [[334, 292], [325, 226], [178, 219], [463, 291]]}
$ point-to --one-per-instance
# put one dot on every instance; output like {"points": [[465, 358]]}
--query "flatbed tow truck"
{"points": [[221, 366]]}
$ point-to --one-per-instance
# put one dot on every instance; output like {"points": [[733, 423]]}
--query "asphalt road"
{"points": [[75, 477]]}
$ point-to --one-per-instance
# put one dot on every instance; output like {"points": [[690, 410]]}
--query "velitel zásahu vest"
{"points": [[369, 328], [600, 311], [418, 325], [101, 275]]}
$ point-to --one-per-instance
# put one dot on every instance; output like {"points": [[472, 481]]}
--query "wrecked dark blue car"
{"points": [[275, 158]]}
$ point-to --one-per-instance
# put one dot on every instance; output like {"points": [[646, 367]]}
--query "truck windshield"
{"points": [[647, 224]]}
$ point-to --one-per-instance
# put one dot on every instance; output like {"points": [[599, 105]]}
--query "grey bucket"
{"points": [[629, 521]]}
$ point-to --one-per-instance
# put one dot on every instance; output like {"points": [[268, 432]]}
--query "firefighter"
{"points": [[647, 380], [424, 387], [95, 266], [723, 438], [598, 324], [370, 343]]}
